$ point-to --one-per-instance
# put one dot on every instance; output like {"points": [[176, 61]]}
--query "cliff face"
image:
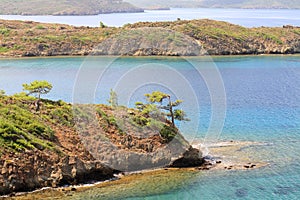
{"points": [[60, 144]]}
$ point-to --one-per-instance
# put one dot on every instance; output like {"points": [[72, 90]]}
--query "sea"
{"points": [[243, 17], [231, 98]]}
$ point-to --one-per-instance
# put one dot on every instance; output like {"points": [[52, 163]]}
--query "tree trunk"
{"points": [[171, 111], [37, 104]]}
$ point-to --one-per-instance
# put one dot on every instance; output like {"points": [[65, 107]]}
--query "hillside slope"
{"points": [[65, 7]]}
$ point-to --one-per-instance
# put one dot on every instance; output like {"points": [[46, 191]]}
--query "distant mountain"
{"points": [[276, 4], [65, 7]]}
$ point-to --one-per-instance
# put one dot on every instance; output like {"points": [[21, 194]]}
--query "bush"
{"points": [[40, 27], [2, 93], [168, 133]]}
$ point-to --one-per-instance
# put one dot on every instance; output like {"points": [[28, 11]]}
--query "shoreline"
{"points": [[152, 57], [223, 156]]}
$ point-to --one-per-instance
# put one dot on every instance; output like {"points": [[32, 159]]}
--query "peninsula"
{"points": [[46, 143], [177, 38], [71, 7]]}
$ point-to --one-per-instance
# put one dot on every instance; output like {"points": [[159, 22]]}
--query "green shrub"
{"points": [[2, 93], [140, 120], [168, 133], [4, 31], [40, 27], [3, 49]]}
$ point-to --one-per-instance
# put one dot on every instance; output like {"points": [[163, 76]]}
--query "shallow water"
{"points": [[262, 105]]}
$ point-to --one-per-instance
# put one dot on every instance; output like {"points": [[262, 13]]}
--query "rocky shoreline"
{"points": [[33, 170], [228, 155]]}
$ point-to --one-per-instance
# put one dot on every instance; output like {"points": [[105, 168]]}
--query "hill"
{"points": [[58, 145], [178, 38], [276, 4], [65, 7]]}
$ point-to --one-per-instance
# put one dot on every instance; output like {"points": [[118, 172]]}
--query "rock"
{"points": [[4, 170], [191, 158]]}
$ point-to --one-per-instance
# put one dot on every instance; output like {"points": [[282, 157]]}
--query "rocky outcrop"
{"points": [[191, 158], [35, 169]]}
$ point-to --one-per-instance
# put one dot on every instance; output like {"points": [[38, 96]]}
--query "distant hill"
{"points": [[65, 7], [288, 4]]}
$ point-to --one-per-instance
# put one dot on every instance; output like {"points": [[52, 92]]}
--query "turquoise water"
{"points": [[244, 17], [262, 104]]}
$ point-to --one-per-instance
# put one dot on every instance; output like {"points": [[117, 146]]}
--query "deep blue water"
{"points": [[262, 104], [244, 17]]}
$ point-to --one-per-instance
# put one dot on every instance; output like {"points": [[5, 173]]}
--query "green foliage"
{"points": [[40, 27], [23, 96], [141, 120], [62, 115], [272, 37], [20, 129], [3, 49], [4, 31], [297, 31], [38, 87], [156, 97], [113, 99], [168, 132], [18, 47], [154, 124], [180, 115], [52, 38], [102, 25], [2, 93], [139, 105]]}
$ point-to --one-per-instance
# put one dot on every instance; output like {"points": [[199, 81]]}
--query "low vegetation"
{"points": [[23, 126]]}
